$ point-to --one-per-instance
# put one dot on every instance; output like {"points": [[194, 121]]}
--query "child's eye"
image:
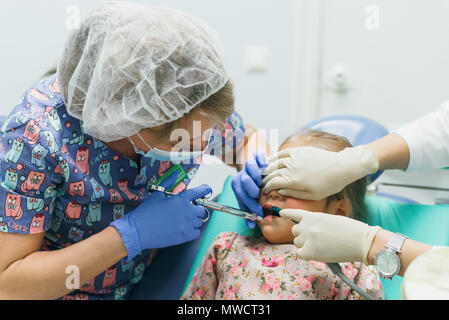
{"points": [[275, 197]]}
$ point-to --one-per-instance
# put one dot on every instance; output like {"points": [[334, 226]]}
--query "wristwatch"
{"points": [[387, 261]]}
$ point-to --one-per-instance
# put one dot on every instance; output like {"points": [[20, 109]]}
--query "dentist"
{"points": [[83, 144], [310, 173]]}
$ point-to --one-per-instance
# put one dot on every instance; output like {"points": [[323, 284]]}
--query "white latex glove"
{"points": [[314, 174], [330, 238]]}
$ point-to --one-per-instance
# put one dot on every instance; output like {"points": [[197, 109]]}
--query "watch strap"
{"points": [[396, 242]]}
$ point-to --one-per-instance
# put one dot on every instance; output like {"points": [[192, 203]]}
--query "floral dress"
{"points": [[56, 179], [243, 268]]}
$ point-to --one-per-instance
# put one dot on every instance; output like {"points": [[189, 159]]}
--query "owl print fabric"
{"points": [[58, 180]]}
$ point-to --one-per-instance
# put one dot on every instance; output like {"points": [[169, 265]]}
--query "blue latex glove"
{"points": [[161, 221], [247, 183]]}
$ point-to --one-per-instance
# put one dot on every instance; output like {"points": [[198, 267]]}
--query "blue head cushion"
{"points": [[358, 130]]}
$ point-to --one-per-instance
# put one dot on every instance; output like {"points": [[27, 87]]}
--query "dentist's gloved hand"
{"points": [[330, 238], [161, 221], [247, 183], [314, 174]]}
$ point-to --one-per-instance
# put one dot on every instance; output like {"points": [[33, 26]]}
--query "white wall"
{"points": [[397, 72]]}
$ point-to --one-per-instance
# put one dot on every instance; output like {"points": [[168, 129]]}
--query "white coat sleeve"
{"points": [[428, 139]]}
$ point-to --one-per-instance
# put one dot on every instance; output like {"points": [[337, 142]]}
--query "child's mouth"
{"points": [[271, 211]]}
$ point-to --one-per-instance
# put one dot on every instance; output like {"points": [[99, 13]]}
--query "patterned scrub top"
{"points": [[58, 180], [246, 268]]}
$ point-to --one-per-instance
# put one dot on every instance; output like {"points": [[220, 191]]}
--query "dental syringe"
{"points": [[209, 204], [226, 209]]}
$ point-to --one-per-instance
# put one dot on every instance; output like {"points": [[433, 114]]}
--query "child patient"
{"points": [[266, 267]]}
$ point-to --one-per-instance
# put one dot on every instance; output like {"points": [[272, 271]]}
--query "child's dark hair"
{"points": [[354, 192]]}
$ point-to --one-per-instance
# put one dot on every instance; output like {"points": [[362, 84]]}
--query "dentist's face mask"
{"points": [[178, 156]]}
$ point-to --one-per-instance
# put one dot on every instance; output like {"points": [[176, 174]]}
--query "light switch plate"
{"points": [[256, 59]]}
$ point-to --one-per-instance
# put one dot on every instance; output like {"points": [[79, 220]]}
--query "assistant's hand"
{"points": [[314, 174], [247, 183], [330, 238], [162, 221]]}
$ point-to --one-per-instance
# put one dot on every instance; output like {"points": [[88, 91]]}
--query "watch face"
{"points": [[387, 262]]}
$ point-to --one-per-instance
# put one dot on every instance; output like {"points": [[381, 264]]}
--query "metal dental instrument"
{"points": [[209, 204], [226, 209]]}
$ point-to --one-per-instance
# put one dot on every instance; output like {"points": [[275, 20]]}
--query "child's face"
{"points": [[278, 230]]}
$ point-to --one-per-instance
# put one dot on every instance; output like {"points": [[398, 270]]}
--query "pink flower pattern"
{"points": [[237, 267]]}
